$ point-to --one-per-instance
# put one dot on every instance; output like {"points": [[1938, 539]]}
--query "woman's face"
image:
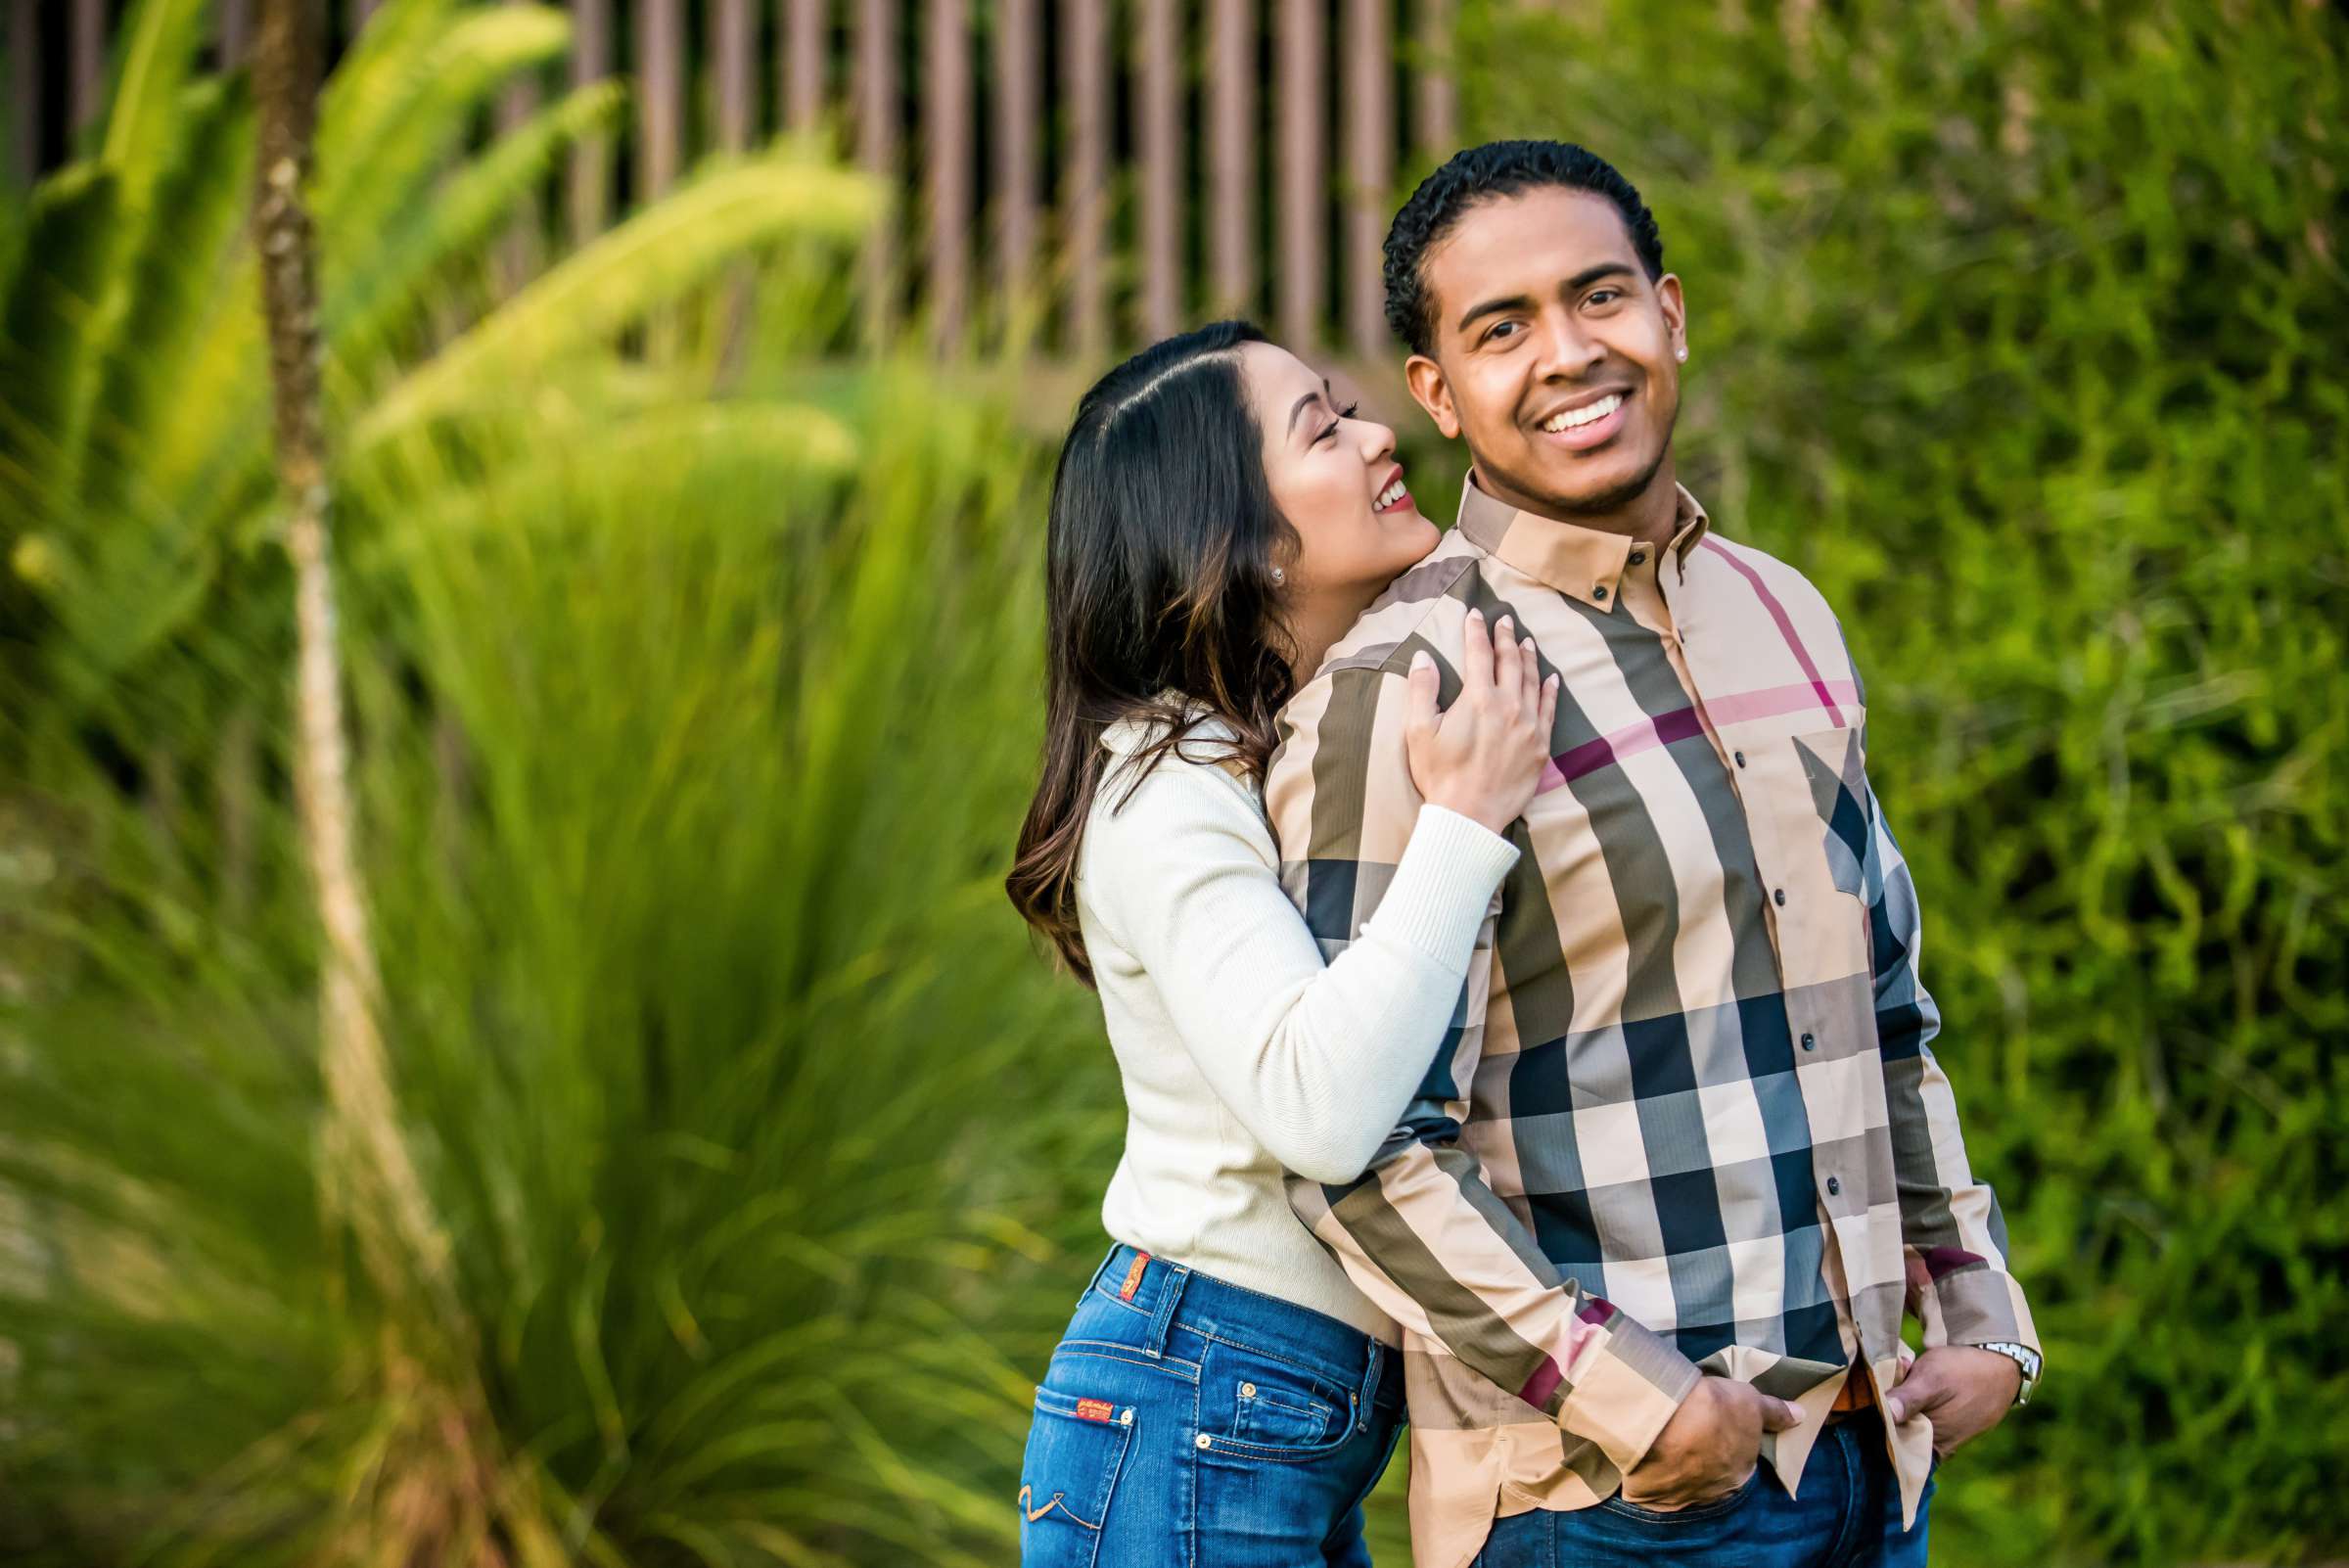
{"points": [[1336, 480]]}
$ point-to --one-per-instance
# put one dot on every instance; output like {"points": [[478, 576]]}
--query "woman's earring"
{"points": [[1279, 576], [1683, 353]]}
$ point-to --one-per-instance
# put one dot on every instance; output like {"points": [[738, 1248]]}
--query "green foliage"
{"points": [[2020, 328], [692, 731], [699, 999], [136, 481]]}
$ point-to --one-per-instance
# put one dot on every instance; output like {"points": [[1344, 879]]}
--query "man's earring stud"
{"points": [[1683, 353], [1279, 576]]}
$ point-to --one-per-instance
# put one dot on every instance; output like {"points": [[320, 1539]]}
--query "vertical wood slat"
{"points": [[236, 32], [1019, 111], [946, 137], [1369, 54], [25, 88], [1232, 155], [1086, 36], [802, 76], [734, 62], [1436, 130], [660, 95], [1158, 138], [876, 49], [85, 46], [1302, 183], [589, 196], [517, 254]]}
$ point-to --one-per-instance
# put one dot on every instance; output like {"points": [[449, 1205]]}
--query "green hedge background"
{"points": [[2020, 328], [693, 729]]}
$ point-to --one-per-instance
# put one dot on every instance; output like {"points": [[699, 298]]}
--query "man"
{"points": [[1685, 1157]]}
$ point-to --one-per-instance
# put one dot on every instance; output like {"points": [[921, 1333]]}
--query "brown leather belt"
{"points": [[1856, 1394]]}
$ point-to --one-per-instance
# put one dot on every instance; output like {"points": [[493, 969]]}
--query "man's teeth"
{"points": [[1388, 496], [1587, 414]]}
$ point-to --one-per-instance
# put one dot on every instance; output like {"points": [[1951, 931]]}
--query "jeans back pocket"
{"points": [[1076, 1448]]}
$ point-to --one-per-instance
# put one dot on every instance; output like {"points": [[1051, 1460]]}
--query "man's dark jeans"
{"points": [[1849, 1516]]}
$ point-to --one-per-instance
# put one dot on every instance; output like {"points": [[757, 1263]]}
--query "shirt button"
{"points": [[1809, 1043], [1741, 758], [1834, 1187], [1638, 556], [1779, 894], [1599, 594]]}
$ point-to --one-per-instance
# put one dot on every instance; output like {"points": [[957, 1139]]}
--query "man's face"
{"points": [[1555, 356]]}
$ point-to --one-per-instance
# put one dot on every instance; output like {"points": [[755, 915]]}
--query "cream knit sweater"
{"points": [[1241, 1051]]}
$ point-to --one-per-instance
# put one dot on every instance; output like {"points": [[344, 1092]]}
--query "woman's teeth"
{"points": [[1389, 496], [1587, 414]]}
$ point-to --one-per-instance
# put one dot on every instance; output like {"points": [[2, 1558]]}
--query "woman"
{"points": [[1223, 1397]]}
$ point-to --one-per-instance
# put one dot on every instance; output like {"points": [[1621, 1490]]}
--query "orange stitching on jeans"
{"points": [[1056, 1503]]}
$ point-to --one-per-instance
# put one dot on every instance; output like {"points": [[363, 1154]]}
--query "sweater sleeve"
{"points": [[1315, 1061]]}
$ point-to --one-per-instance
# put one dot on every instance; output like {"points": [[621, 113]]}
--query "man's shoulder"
{"points": [[1780, 580]]}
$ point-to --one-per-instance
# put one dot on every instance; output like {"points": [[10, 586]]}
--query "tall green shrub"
{"points": [[688, 730], [2020, 328]]}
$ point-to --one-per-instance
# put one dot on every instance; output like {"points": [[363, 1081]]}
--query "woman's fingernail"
{"points": [[1420, 660]]}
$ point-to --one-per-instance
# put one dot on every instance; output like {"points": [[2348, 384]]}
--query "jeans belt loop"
{"points": [[1170, 1293]]}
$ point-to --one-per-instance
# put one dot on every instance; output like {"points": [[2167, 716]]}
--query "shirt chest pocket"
{"points": [[1833, 766], [1806, 802]]}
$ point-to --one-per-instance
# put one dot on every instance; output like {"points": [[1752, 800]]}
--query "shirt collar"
{"points": [[1586, 562]]}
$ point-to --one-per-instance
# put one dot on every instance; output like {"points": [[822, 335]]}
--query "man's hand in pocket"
{"points": [[1708, 1446], [1961, 1390]]}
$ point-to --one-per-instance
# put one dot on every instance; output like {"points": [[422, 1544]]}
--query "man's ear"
{"points": [[1675, 312], [1432, 393]]}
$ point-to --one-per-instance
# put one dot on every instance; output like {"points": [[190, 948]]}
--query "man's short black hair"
{"points": [[1486, 174]]}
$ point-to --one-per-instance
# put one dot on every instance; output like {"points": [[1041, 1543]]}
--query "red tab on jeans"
{"points": [[1133, 1276], [1094, 1409]]}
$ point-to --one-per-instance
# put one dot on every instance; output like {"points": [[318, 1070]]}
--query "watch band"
{"points": [[2024, 1358]]}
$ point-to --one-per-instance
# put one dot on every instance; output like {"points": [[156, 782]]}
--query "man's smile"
{"points": [[1587, 423]]}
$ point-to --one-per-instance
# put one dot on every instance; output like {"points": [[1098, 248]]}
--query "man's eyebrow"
{"points": [[1491, 308], [1298, 406], [1519, 302]]}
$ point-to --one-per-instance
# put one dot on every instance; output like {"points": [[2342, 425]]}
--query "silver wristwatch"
{"points": [[2024, 1356]]}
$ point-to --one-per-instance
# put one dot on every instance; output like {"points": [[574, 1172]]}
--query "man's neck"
{"points": [[1652, 517]]}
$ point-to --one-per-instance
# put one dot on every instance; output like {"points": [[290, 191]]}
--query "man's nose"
{"points": [[1568, 353]]}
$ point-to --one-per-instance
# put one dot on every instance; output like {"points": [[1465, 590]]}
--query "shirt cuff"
{"points": [[1975, 1306], [1628, 1390], [1443, 886]]}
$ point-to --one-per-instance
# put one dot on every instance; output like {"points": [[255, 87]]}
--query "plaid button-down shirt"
{"points": [[1685, 1121]]}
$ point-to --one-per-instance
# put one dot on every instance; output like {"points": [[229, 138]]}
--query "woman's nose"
{"points": [[1378, 442]]}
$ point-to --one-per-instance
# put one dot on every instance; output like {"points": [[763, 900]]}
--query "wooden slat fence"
{"points": [[1076, 175]]}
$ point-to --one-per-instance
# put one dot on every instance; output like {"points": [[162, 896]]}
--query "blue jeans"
{"points": [[1849, 1516], [1189, 1423]]}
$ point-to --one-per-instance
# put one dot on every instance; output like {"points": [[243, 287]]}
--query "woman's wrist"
{"points": [[1446, 878], [1485, 813]]}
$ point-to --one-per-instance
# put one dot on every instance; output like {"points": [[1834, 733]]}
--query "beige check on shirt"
{"points": [[1686, 1119]]}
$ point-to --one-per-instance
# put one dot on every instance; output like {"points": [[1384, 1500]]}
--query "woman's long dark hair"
{"points": [[1159, 578]]}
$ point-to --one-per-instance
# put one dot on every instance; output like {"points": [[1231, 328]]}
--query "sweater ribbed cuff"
{"points": [[1443, 884]]}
